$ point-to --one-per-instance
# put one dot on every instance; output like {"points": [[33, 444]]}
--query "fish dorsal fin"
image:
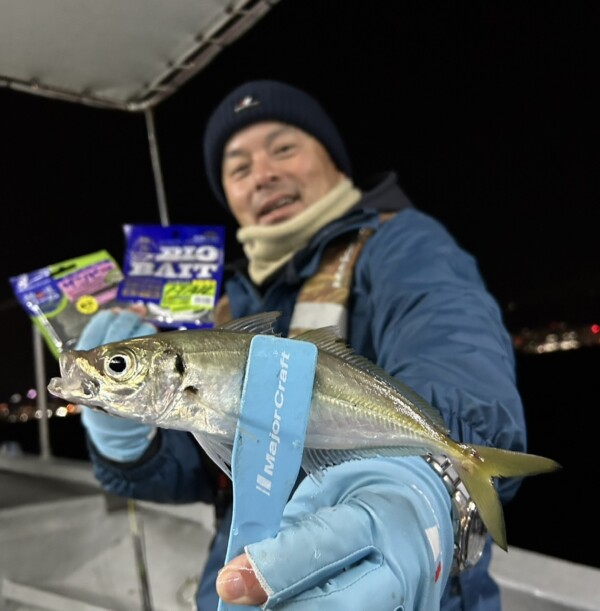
{"points": [[327, 340], [258, 324]]}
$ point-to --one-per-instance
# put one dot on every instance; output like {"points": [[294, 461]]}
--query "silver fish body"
{"points": [[192, 380]]}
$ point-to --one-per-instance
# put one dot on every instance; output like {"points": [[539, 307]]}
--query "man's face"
{"points": [[272, 171]]}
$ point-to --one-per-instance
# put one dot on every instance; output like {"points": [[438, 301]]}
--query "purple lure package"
{"points": [[61, 298], [176, 271]]}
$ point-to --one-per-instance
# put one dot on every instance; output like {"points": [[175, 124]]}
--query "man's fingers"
{"points": [[237, 583], [139, 308]]}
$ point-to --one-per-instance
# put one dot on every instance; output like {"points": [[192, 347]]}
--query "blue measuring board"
{"points": [[269, 439]]}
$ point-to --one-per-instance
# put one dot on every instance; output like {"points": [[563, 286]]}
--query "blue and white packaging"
{"points": [[176, 271]]}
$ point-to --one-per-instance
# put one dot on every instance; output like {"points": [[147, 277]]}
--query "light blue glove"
{"points": [[375, 534], [115, 438]]}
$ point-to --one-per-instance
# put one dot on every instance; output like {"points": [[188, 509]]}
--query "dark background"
{"points": [[488, 113]]}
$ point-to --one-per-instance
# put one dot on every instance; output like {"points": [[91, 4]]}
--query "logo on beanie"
{"points": [[244, 103]]}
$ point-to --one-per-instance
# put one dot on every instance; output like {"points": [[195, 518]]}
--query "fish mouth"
{"points": [[82, 391], [75, 385]]}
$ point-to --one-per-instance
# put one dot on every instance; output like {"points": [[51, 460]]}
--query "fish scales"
{"points": [[371, 414]]}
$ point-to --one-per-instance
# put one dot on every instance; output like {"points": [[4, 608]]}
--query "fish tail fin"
{"points": [[505, 463], [477, 472]]}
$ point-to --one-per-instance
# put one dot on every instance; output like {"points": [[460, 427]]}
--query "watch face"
{"points": [[470, 534], [475, 537]]}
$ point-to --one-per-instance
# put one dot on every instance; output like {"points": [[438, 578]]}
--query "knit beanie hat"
{"points": [[258, 101]]}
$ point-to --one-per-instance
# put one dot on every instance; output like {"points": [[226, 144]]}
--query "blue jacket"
{"points": [[420, 309]]}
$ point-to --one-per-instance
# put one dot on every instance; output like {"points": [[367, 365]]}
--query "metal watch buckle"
{"points": [[469, 531]]}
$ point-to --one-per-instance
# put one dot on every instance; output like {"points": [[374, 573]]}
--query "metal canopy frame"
{"points": [[176, 52]]}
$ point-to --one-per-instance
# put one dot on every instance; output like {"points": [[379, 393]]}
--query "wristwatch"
{"points": [[469, 531]]}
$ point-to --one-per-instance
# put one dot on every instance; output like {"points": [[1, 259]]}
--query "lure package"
{"points": [[176, 271], [61, 298]]}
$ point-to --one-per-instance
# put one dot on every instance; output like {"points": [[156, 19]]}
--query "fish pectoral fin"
{"points": [[217, 451]]}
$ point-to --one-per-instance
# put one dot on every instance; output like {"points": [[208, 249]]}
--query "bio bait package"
{"points": [[176, 271], [60, 298]]}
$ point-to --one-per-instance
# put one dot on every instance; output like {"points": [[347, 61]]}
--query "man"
{"points": [[376, 533]]}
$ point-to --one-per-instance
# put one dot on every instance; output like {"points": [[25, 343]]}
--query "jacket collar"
{"points": [[384, 196]]}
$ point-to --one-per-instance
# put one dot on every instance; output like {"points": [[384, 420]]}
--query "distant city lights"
{"points": [[556, 338], [21, 411]]}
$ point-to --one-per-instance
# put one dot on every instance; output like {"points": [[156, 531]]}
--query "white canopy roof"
{"points": [[124, 54]]}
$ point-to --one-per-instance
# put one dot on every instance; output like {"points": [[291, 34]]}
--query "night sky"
{"points": [[487, 111]]}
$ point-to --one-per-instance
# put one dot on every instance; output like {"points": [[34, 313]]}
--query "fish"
{"points": [[192, 380]]}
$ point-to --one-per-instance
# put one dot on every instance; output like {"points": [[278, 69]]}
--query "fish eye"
{"points": [[119, 366]]}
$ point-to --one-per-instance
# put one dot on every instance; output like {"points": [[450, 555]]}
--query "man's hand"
{"points": [[374, 534], [237, 583]]}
